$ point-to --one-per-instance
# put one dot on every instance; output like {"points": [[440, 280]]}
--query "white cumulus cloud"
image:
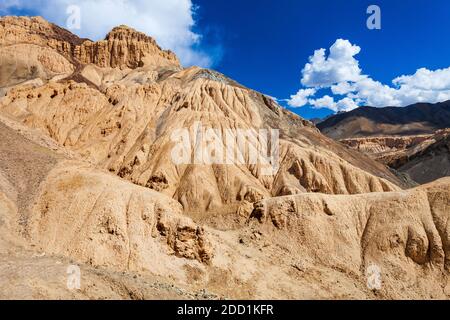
{"points": [[170, 22], [301, 97], [339, 66], [340, 73]]}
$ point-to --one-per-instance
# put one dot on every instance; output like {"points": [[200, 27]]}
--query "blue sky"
{"points": [[266, 44]]}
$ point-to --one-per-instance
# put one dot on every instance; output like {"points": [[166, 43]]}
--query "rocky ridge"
{"points": [[86, 177], [123, 47]]}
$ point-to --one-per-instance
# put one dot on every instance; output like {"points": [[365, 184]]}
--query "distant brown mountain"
{"points": [[108, 171], [424, 158], [420, 118], [412, 140]]}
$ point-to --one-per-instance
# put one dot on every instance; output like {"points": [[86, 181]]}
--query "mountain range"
{"points": [[420, 118], [88, 179]]}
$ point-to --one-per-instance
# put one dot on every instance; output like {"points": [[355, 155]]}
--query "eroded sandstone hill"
{"points": [[117, 106], [87, 177]]}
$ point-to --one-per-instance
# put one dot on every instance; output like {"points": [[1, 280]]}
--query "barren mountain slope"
{"points": [[31, 267], [122, 119], [424, 158], [384, 147], [404, 234], [304, 246]]}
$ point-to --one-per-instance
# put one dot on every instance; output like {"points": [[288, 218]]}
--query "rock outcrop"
{"points": [[424, 158], [382, 146], [416, 119], [53, 209], [122, 48], [106, 222]]}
